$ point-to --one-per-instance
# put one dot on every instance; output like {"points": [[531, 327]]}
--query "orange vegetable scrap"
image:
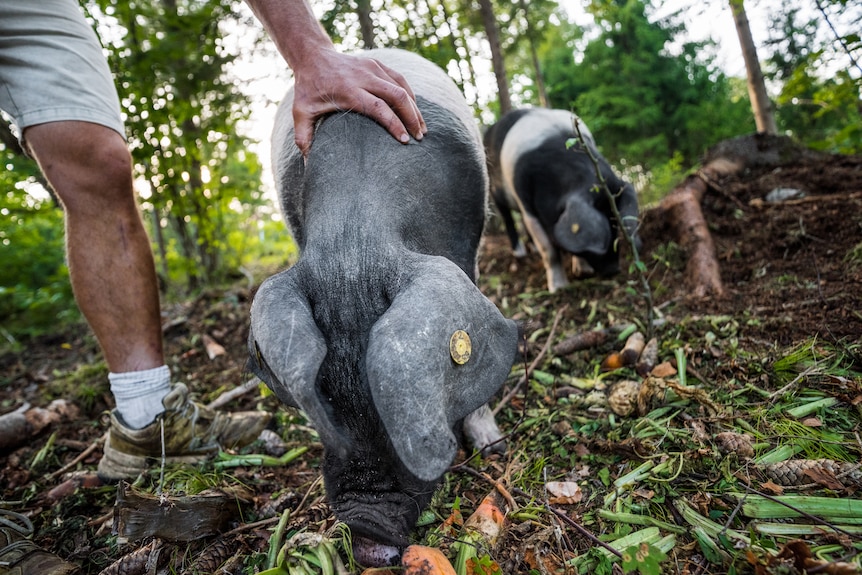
{"points": [[421, 560]]}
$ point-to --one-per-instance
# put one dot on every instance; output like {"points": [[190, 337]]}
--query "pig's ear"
{"points": [[421, 388], [582, 228], [286, 350]]}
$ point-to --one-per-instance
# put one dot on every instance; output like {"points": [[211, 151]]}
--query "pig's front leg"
{"points": [[550, 256], [482, 431]]}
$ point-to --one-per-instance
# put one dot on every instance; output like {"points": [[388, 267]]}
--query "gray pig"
{"points": [[369, 333]]}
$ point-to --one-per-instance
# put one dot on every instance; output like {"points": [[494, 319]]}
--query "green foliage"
{"points": [[199, 181], [201, 187], [663, 178], [643, 558], [644, 100], [34, 289], [819, 100]]}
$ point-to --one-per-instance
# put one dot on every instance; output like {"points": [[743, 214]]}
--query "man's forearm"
{"points": [[293, 28]]}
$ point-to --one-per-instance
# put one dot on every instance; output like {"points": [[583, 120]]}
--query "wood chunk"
{"points": [[172, 518]]}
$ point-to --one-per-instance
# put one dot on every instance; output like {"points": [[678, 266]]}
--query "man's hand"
{"points": [[340, 82], [327, 81]]}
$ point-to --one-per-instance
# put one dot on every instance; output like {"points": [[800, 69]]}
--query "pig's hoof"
{"points": [[369, 553]]}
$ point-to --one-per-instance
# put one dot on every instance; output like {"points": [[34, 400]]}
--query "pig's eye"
{"points": [[261, 368]]}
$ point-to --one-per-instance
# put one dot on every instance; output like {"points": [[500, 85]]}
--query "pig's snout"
{"points": [[383, 518], [605, 265], [370, 553]]}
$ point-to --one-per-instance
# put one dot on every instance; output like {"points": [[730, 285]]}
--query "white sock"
{"points": [[139, 394]]}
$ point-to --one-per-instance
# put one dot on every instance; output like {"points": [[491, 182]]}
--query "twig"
{"points": [[582, 530], [83, 455], [775, 395], [232, 394], [532, 365], [256, 524], [501, 489]]}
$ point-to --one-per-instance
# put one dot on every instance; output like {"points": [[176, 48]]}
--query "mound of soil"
{"points": [[792, 267]]}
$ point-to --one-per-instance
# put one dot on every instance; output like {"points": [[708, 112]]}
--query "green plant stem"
{"points": [[275, 539], [638, 264]]}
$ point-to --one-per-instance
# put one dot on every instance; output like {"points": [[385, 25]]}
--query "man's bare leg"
{"points": [[114, 279], [110, 260]]}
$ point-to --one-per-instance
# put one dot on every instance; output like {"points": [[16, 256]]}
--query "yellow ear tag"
{"points": [[576, 228], [460, 347]]}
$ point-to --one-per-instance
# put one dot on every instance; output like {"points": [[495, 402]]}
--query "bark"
{"points": [[682, 210], [489, 22], [534, 57], [581, 341], [366, 26], [175, 519], [760, 104]]}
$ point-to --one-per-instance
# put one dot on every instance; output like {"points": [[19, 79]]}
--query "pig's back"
{"points": [[430, 82], [361, 188]]}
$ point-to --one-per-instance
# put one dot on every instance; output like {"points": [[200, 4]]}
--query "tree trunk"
{"points": [[489, 21], [162, 250], [459, 42], [760, 104], [366, 26], [534, 56]]}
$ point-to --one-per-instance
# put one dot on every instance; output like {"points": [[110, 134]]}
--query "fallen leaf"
{"points": [[644, 493], [564, 493], [664, 369], [824, 477], [772, 487], [563, 488], [812, 422]]}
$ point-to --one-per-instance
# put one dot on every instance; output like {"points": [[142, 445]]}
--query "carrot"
{"points": [[421, 560], [481, 531], [613, 361]]}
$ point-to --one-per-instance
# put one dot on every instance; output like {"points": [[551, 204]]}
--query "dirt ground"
{"points": [[792, 272]]}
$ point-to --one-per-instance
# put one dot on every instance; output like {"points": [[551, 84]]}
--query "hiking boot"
{"points": [[192, 433], [20, 556]]}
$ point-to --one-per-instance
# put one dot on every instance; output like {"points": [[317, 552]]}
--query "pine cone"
{"points": [[214, 556], [738, 443], [793, 471], [139, 561]]}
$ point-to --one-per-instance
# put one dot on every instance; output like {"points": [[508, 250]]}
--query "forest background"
{"points": [[654, 99]]}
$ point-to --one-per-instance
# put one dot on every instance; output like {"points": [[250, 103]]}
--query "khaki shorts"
{"points": [[52, 67]]}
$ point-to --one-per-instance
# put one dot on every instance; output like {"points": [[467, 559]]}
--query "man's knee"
{"points": [[82, 160]]}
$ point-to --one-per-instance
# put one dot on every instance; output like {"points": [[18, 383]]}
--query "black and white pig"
{"points": [[378, 332], [554, 187]]}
